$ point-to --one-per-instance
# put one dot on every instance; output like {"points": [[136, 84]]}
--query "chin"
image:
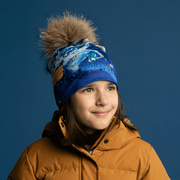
{"points": [[101, 127]]}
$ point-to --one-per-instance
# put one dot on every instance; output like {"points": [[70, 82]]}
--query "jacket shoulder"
{"points": [[151, 166], [42, 157]]}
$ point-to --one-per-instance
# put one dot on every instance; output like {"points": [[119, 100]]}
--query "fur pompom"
{"points": [[65, 30]]}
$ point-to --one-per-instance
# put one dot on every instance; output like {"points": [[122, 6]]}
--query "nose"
{"points": [[102, 99]]}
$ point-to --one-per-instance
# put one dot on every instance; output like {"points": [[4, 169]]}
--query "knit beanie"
{"points": [[73, 58]]}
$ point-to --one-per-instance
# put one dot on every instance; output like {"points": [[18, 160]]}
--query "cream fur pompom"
{"points": [[65, 30]]}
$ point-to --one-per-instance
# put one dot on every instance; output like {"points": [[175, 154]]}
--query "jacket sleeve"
{"points": [[23, 169], [154, 169]]}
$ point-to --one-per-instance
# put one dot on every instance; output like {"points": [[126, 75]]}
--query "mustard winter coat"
{"points": [[120, 154]]}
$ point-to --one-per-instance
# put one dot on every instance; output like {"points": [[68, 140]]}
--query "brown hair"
{"points": [[75, 131]]}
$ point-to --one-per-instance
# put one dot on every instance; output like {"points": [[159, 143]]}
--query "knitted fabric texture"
{"points": [[75, 66]]}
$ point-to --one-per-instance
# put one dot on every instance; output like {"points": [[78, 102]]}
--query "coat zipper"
{"points": [[91, 151]]}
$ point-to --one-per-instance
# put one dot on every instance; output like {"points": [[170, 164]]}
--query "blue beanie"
{"points": [[75, 66]]}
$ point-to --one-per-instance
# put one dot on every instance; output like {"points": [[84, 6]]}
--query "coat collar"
{"points": [[113, 137]]}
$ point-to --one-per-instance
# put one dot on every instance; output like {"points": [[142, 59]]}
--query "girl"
{"points": [[89, 137]]}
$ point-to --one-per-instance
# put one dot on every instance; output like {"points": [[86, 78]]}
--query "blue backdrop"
{"points": [[142, 37]]}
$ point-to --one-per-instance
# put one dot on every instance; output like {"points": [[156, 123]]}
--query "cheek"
{"points": [[79, 106], [114, 101]]}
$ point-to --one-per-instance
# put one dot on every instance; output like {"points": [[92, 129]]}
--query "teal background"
{"points": [[142, 37]]}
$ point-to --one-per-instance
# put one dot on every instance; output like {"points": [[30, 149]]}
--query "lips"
{"points": [[101, 113]]}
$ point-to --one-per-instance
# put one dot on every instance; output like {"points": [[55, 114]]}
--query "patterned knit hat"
{"points": [[78, 64]]}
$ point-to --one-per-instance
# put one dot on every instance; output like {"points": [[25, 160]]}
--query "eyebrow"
{"points": [[93, 84], [90, 85], [111, 83]]}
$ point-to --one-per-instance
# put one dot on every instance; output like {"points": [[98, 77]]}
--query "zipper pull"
{"points": [[90, 152]]}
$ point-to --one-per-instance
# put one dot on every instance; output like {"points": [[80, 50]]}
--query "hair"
{"points": [[75, 131]]}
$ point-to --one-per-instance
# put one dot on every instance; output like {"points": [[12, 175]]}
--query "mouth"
{"points": [[101, 113]]}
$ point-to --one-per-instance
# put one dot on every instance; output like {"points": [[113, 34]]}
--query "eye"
{"points": [[111, 88], [88, 90]]}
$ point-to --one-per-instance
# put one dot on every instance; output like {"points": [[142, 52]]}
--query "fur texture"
{"points": [[65, 30]]}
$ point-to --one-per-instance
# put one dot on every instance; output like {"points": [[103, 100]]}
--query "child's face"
{"points": [[95, 104]]}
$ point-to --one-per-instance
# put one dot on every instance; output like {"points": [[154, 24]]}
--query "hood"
{"points": [[117, 134], [53, 130]]}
